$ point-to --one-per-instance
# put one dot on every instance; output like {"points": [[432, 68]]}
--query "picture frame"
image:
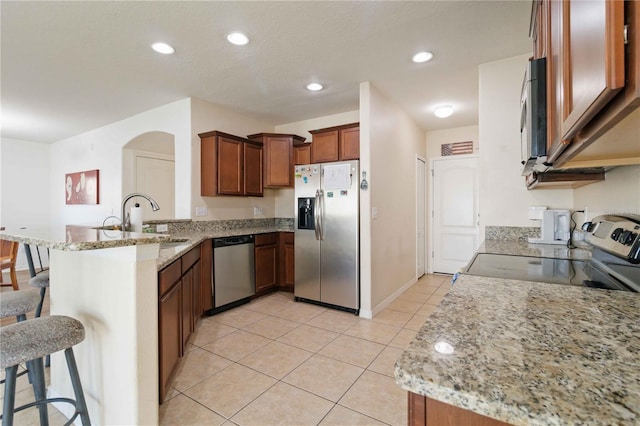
{"points": [[82, 187]]}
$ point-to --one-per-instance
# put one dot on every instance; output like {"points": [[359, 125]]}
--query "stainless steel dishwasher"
{"points": [[234, 279]]}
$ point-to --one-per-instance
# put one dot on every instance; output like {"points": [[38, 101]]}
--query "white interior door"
{"points": [[455, 212], [421, 217], [155, 177]]}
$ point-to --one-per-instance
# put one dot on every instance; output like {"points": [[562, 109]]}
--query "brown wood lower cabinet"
{"points": [[286, 263], [266, 260], [274, 262], [425, 411], [180, 307]]}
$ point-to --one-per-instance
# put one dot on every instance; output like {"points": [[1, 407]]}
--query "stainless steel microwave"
{"points": [[533, 118]]}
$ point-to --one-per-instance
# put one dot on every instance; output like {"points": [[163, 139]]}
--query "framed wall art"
{"points": [[82, 187]]}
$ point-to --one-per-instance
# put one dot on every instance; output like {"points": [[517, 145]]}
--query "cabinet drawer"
{"points": [[266, 239], [169, 276], [191, 257]]}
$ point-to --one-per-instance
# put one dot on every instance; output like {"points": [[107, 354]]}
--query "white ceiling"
{"points": [[68, 67]]}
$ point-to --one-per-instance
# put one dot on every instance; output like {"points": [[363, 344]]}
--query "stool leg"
{"points": [[77, 387], [43, 291], [39, 388], [9, 395]]}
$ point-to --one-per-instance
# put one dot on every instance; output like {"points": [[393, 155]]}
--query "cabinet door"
{"points": [[266, 266], [187, 307], [196, 306], [169, 340], [208, 166], [594, 60], [230, 166], [278, 161], [302, 154], [289, 266], [350, 143], [253, 170], [206, 277], [324, 147]]}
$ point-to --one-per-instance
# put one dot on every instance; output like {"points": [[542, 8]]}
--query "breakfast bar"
{"points": [[107, 280]]}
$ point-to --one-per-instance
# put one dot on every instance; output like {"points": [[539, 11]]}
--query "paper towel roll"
{"points": [[136, 218]]}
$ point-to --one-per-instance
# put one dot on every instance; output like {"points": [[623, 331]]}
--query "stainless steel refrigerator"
{"points": [[327, 234]]}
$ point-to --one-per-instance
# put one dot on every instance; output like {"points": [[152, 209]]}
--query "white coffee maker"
{"points": [[555, 226]]}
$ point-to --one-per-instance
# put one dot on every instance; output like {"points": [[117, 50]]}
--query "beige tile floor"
{"points": [[278, 362]]}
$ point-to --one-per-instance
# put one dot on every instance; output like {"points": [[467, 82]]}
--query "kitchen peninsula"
{"points": [[526, 353], [108, 281]]}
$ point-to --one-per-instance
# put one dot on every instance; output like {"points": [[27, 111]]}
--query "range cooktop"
{"points": [[542, 269]]}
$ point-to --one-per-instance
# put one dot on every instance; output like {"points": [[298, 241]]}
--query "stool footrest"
{"points": [[48, 401]]}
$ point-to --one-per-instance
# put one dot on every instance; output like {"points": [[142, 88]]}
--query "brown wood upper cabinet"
{"points": [[593, 79], [336, 143], [278, 158], [230, 165]]}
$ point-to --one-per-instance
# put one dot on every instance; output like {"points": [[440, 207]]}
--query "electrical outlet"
{"points": [[162, 227], [257, 211], [374, 212], [202, 211]]}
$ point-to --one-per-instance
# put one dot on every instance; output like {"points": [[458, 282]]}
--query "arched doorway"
{"points": [[148, 166]]}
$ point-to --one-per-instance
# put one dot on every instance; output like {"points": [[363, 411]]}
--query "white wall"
{"points": [[618, 193], [284, 198], [101, 149], [504, 199], [206, 117], [24, 187], [391, 141]]}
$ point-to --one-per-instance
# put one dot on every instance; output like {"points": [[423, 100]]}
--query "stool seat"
{"points": [[18, 302], [41, 280], [38, 337]]}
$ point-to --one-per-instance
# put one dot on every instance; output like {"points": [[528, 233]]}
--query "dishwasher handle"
{"points": [[233, 241]]}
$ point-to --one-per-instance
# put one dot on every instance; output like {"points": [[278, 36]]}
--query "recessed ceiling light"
{"points": [[443, 111], [314, 87], [238, 39], [163, 48], [421, 57]]}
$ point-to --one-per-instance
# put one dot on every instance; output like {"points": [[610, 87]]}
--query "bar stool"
{"points": [[18, 303], [29, 341]]}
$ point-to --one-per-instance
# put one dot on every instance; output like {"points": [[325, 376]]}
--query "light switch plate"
{"points": [[202, 211], [162, 227], [374, 212]]}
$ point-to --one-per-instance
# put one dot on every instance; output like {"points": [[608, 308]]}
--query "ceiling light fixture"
{"points": [[443, 111], [314, 87], [237, 38], [422, 57], [163, 48]]}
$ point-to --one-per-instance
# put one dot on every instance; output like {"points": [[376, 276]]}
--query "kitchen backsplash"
{"points": [[511, 232], [178, 226]]}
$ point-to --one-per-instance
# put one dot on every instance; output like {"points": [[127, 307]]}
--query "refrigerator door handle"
{"points": [[316, 214], [320, 214]]}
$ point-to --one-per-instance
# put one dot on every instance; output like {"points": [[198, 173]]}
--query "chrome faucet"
{"points": [[125, 216]]}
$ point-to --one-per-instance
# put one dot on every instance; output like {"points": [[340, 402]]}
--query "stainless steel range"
{"points": [[614, 264]]}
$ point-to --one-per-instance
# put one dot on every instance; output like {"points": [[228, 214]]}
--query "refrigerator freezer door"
{"points": [[307, 247], [339, 257]]}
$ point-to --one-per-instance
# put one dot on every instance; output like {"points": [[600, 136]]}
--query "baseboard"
{"points": [[386, 302]]}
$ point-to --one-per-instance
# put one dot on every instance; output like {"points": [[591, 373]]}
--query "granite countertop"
{"points": [[530, 353], [78, 238]]}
